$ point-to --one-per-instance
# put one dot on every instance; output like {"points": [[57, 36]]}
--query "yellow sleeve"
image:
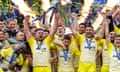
{"points": [[26, 62], [110, 46], [48, 40], [20, 60], [79, 36], [1, 70], [55, 37], [116, 29], [74, 40], [6, 52], [32, 43], [52, 45], [76, 52], [102, 42], [79, 39], [99, 44], [58, 47]]}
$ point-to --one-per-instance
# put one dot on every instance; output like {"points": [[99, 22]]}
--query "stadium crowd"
{"points": [[56, 48]]}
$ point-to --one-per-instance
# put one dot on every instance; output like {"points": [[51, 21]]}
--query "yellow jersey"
{"points": [[75, 43], [116, 29], [113, 51], [66, 65], [87, 62], [88, 55], [41, 54]]}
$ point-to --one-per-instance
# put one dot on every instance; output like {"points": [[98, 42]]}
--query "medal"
{"points": [[117, 52], [65, 54], [88, 43], [39, 44]]}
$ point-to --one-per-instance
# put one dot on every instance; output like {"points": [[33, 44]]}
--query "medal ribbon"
{"points": [[65, 54], [89, 43], [39, 45], [117, 52]]}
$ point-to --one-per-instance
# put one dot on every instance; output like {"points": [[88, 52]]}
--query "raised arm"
{"points": [[26, 28], [75, 33], [75, 23], [54, 28], [101, 32], [106, 23], [59, 43], [115, 13]]}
